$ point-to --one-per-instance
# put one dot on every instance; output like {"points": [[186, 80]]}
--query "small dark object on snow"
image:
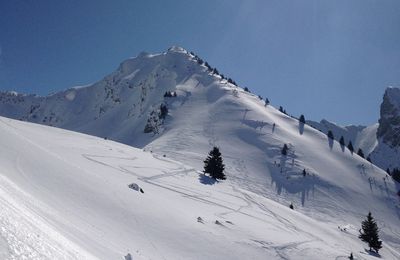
{"points": [[291, 206], [135, 187], [351, 256], [163, 155], [200, 220], [128, 257], [218, 223]]}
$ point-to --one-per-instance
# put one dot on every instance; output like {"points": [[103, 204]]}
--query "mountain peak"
{"points": [[389, 122], [177, 49], [393, 94]]}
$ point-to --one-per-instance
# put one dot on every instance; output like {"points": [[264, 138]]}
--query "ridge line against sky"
{"points": [[320, 58]]}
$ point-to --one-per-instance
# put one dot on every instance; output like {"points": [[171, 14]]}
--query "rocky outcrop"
{"points": [[389, 122]]}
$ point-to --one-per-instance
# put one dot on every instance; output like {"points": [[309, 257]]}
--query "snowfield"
{"points": [[66, 195]]}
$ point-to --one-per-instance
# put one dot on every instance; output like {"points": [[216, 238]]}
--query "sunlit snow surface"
{"points": [[65, 195]]}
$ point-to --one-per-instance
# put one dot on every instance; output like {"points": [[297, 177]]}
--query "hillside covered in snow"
{"points": [[175, 108], [380, 141], [65, 196], [362, 137]]}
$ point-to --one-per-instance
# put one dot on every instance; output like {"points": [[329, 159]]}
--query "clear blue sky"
{"points": [[325, 59]]}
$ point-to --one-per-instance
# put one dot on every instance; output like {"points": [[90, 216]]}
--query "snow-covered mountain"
{"points": [[381, 141], [363, 137], [104, 219]]}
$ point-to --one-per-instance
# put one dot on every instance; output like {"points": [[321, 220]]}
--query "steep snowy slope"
{"points": [[363, 137], [65, 196]]}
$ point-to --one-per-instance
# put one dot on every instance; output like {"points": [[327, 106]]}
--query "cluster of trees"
{"points": [[155, 119], [350, 146], [170, 94], [212, 70], [282, 110]]}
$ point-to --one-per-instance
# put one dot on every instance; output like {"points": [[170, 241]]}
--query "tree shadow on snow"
{"points": [[301, 128], [286, 171], [330, 142], [254, 124], [207, 180], [371, 253]]}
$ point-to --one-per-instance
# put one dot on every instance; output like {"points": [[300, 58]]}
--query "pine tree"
{"points": [[302, 119], [284, 149], [266, 101], [213, 164], [351, 256], [350, 146], [281, 109], [341, 141], [163, 111], [369, 159], [247, 89], [388, 171], [304, 172], [360, 152], [330, 135], [369, 233], [396, 174]]}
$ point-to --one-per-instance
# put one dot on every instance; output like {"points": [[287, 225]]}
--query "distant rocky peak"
{"points": [[389, 122]]}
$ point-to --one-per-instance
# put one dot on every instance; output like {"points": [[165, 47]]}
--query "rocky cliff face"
{"points": [[387, 153], [389, 122]]}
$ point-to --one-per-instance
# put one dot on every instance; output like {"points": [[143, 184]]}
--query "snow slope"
{"points": [[380, 141], [64, 196], [363, 137], [339, 189]]}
